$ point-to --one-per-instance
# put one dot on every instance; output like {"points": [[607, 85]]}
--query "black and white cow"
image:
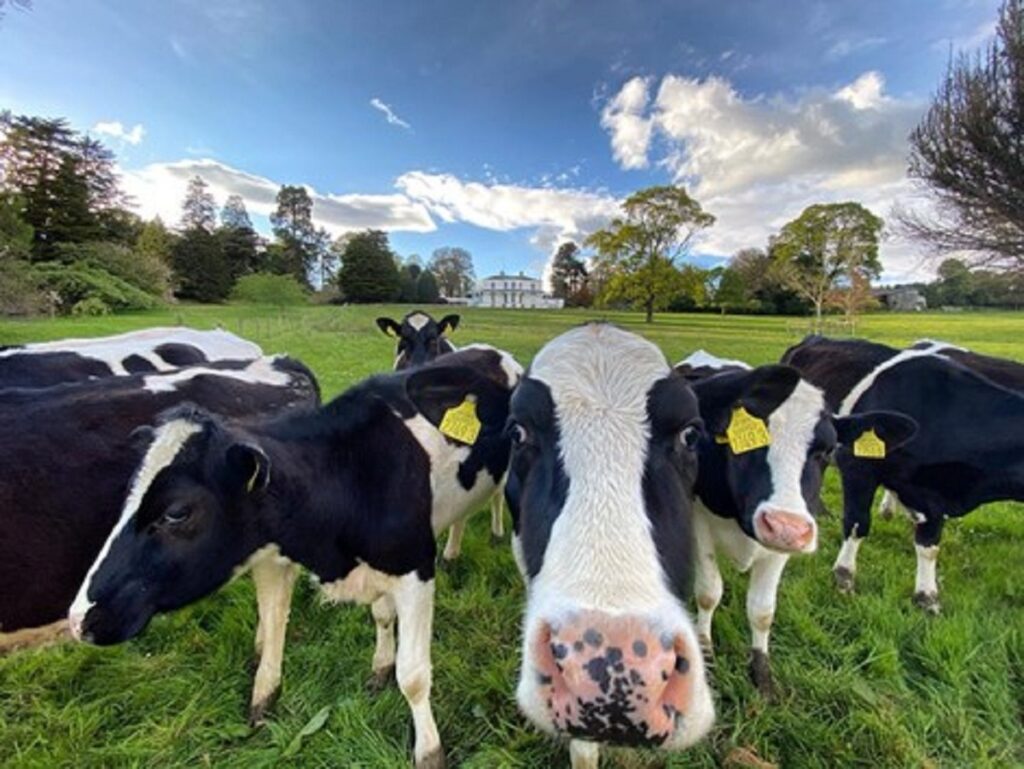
{"points": [[68, 454], [420, 337], [600, 488], [969, 449], [44, 364], [756, 500], [355, 492], [420, 340]]}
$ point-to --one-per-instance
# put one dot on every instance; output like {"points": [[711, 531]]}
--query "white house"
{"points": [[520, 290]]}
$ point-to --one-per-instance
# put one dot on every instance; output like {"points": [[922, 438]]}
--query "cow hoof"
{"points": [[761, 674], [380, 680], [258, 712], [433, 760], [844, 579], [497, 540], [929, 602]]}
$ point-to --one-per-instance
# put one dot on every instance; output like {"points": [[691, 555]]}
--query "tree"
{"points": [[154, 241], [296, 235], [16, 234], [200, 210], [955, 284], [967, 151], [72, 220], [568, 273], [203, 273], [368, 272], [639, 250], [453, 268], [427, 291], [826, 244], [234, 215], [732, 291], [408, 279]]}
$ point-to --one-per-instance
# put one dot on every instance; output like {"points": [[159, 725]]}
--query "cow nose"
{"points": [[614, 679], [786, 531]]}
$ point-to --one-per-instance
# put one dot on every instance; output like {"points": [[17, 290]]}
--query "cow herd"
{"points": [[142, 472]]}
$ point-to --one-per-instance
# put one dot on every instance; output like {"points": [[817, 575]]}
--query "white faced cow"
{"points": [[767, 441], [600, 489], [420, 340], [355, 492], [151, 350]]}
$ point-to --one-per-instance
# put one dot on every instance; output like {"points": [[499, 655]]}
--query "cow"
{"points": [[968, 450], [355, 492], [600, 485], [767, 441], [68, 453], [44, 364], [420, 340]]}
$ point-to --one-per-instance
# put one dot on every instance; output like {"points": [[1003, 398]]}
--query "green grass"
{"points": [[865, 681]]}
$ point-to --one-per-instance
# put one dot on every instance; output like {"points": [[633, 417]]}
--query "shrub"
{"points": [[74, 283], [91, 306], [20, 292], [142, 270], [265, 288]]}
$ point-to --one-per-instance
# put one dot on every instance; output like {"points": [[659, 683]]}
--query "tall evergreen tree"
{"points": [[296, 235], [199, 208], [201, 269], [368, 272], [234, 214]]}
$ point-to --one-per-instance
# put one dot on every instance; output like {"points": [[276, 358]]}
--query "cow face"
{"points": [[770, 486], [420, 337], [600, 490], [185, 527]]}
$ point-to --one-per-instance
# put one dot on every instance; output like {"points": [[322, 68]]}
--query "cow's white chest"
{"points": [[730, 539], [361, 585]]}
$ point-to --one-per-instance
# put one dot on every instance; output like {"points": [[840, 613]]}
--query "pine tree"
{"points": [[368, 272], [200, 210]]}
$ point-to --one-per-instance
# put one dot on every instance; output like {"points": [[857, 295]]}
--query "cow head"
{"points": [[600, 489], [420, 337]]}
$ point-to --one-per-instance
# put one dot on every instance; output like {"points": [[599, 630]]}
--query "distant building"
{"points": [[902, 299], [520, 290]]}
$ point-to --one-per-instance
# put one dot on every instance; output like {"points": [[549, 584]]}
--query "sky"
{"points": [[502, 127]]}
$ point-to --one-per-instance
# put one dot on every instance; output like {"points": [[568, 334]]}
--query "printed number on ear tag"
{"points": [[869, 446], [746, 432], [461, 422]]}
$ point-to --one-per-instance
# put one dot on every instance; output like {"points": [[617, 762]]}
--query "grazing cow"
{"points": [[420, 340], [355, 492], [44, 364], [420, 337], [767, 441], [968, 450], [68, 454], [600, 490]]}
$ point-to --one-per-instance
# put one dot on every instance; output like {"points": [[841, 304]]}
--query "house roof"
{"points": [[503, 276]]}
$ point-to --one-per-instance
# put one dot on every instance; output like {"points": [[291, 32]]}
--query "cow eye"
{"points": [[177, 514], [690, 437], [518, 434]]}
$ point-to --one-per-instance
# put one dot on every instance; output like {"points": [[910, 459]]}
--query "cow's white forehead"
{"points": [[418, 320], [600, 366], [792, 427], [513, 370]]}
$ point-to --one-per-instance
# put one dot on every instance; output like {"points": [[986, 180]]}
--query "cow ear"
{"points": [[892, 428], [435, 391], [248, 468], [760, 391], [448, 323], [389, 327]]}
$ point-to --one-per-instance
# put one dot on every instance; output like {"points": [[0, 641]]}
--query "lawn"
{"points": [[865, 680]]}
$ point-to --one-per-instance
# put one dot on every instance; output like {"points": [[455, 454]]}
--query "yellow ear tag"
{"points": [[746, 432], [461, 422], [869, 446]]}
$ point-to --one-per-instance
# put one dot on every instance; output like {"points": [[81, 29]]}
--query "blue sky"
{"points": [[501, 127]]}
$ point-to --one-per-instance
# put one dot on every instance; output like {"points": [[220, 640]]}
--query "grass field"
{"points": [[865, 680]]}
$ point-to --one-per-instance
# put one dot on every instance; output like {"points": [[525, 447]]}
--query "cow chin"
{"points": [[113, 623]]}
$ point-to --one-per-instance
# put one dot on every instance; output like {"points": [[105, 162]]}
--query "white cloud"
{"points": [[846, 47], [115, 129], [159, 189], [389, 114], [756, 162], [623, 117]]}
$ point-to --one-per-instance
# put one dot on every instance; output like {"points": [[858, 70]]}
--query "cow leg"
{"points": [[383, 669], [274, 581], [762, 595], [858, 495], [453, 546], [584, 755], [414, 604], [498, 517], [927, 534], [707, 582]]}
